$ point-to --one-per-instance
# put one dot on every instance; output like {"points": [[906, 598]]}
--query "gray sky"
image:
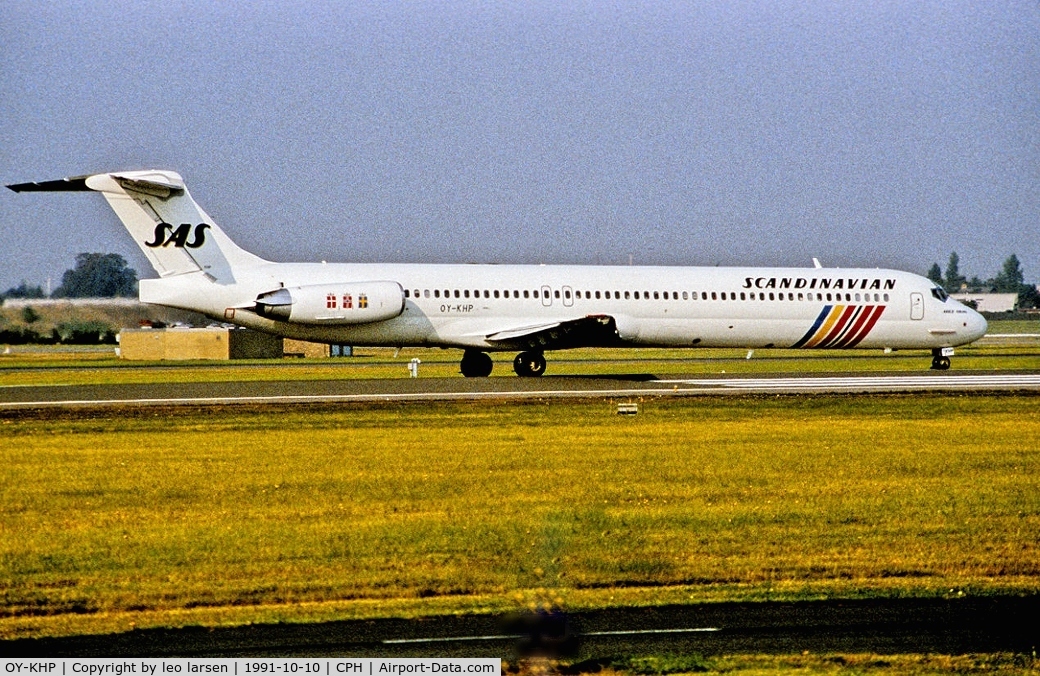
{"points": [[682, 133]]}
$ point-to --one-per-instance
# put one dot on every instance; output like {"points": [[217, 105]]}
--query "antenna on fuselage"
{"points": [[816, 263]]}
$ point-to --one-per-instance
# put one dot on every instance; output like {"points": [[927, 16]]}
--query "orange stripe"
{"points": [[826, 328]]}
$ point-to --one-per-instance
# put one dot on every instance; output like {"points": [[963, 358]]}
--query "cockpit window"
{"points": [[940, 293]]}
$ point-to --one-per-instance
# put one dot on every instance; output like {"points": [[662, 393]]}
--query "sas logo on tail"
{"points": [[166, 234]]}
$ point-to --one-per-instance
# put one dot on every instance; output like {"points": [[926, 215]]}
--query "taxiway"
{"points": [[504, 388]]}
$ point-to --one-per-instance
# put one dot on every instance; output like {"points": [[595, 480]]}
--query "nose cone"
{"points": [[975, 326]]}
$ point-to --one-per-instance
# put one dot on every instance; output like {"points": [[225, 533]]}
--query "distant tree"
{"points": [[23, 290], [98, 275], [935, 274], [1010, 278], [1028, 297], [29, 315], [976, 285], [954, 279]]}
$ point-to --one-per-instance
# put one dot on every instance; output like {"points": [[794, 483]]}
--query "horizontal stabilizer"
{"points": [[75, 184]]}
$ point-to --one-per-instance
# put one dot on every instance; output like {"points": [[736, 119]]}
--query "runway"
{"points": [[502, 388], [881, 626]]}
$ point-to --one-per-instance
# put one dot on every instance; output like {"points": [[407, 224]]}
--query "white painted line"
{"points": [[508, 637], [634, 632]]}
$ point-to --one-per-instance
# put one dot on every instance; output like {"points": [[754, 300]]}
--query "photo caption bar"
{"points": [[318, 666]]}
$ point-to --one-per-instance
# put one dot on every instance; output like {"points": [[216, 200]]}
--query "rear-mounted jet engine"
{"points": [[325, 304]]}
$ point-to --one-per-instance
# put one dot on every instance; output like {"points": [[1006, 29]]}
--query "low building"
{"points": [[989, 302], [184, 344], [304, 348]]}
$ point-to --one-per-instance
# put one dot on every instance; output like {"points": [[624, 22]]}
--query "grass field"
{"points": [[211, 516], [749, 665]]}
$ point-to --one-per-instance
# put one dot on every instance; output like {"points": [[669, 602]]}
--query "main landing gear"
{"points": [[941, 358], [529, 364], [477, 364]]}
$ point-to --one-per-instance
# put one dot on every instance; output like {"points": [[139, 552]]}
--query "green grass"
{"points": [[809, 663], [1005, 326], [182, 516]]}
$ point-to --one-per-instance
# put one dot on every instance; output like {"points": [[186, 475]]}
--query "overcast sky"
{"points": [[877, 134]]}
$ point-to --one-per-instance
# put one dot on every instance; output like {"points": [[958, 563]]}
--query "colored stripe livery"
{"points": [[841, 326]]}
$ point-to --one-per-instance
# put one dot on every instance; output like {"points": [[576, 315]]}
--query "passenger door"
{"points": [[916, 306]]}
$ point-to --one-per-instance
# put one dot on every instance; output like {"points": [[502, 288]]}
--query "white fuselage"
{"points": [[483, 308], [464, 305]]}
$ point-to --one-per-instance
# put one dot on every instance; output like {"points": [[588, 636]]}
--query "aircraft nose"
{"points": [[975, 325]]}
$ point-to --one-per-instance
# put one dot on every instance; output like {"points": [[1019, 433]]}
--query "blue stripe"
{"points": [[815, 326]]}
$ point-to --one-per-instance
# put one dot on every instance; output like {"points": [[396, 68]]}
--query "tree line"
{"points": [[1010, 279], [96, 275]]}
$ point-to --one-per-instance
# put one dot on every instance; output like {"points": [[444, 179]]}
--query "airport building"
{"points": [[988, 302], [148, 344]]}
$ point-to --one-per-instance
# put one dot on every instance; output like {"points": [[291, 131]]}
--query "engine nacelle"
{"points": [[334, 303]]}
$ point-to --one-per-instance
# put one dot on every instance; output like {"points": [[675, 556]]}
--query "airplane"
{"points": [[529, 309]]}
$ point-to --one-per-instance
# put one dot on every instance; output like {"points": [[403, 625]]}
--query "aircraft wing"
{"points": [[589, 331]]}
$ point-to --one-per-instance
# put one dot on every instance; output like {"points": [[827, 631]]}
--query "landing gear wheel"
{"points": [[475, 364], [529, 364], [940, 363]]}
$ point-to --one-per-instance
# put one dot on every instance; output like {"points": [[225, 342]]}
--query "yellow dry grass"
{"points": [[464, 506]]}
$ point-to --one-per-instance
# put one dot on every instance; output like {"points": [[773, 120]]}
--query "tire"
{"points": [[476, 364], [529, 364]]}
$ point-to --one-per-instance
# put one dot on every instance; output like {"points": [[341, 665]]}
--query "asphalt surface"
{"points": [[502, 388], [888, 626]]}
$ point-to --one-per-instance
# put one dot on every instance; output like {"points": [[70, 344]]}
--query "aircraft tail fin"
{"points": [[174, 233]]}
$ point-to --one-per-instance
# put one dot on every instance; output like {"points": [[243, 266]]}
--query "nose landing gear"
{"points": [[941, 358]]}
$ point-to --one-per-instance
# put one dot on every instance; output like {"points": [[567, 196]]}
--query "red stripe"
{"points": [[836, 331], [854, 331], [851, 326], [868, 326]]}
